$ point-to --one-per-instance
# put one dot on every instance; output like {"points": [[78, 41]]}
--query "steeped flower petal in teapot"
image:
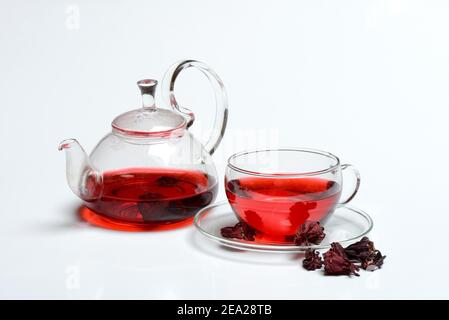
{"points": [[149, 172]]}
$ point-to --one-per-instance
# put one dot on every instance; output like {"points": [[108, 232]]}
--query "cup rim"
{"points": [[299, 174]]}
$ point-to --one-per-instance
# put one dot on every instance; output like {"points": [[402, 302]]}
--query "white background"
{"points": [[366, 80]]}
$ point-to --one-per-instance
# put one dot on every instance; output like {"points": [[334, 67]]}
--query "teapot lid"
{"points": [[148, 120]]}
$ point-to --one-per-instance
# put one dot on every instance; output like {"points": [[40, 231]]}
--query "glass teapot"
{"points": [[149, 172]]}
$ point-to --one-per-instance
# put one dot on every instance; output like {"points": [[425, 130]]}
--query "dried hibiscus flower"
{"points": [[312, 260], [310, 232], [374, 261], [360, 249], [166, 181], [240, 231], [366, 254], [336, 262]]}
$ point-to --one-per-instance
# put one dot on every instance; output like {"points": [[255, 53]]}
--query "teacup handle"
{"points": [[357, 184]]}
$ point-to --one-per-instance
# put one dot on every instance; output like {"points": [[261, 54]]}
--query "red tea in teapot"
{"points": [[278, 206], [152, 198]]}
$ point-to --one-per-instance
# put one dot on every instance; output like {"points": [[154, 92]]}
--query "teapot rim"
{"points": [[137, 133]]}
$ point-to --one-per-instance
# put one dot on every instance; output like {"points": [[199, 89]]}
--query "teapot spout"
{"points": [[83, 179]]}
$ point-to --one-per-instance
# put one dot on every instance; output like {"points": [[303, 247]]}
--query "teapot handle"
{"points": [[221, 101]]}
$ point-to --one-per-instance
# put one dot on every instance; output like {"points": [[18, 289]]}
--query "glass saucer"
{"points": [[345, 225]]}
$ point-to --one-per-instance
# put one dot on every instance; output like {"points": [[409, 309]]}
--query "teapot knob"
{"points": [[148, 90]]}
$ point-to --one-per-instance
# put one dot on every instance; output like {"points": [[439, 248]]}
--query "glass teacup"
{"points": [[275, 191]]}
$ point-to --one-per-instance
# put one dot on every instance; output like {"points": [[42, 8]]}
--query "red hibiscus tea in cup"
{"points": [[276, 190], [277, 207]]}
